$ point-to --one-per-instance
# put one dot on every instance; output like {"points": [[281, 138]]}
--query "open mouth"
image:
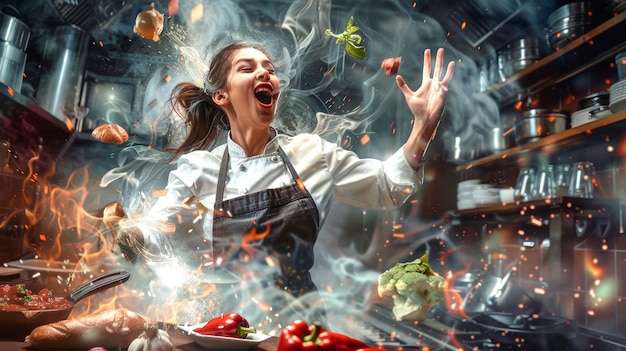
{"points": [[264, 94], [264, 97]]}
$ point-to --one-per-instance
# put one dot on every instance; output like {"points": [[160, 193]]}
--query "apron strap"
{"points": [[219, 194]]}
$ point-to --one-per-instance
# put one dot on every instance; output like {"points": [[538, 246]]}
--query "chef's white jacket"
{"points": [[327, 171]]}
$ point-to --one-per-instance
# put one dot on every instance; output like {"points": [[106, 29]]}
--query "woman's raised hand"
{"points": [[427, 102]]}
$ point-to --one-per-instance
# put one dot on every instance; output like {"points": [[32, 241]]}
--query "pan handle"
{"points": [[98, 284]]}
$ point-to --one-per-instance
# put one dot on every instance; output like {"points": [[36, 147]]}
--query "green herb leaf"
{"points": [[355, 51], [352, 30], [351, 40], [21, 291]]}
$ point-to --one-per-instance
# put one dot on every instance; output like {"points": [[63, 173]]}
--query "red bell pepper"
{"points": [[299, 336], [230, 324]]}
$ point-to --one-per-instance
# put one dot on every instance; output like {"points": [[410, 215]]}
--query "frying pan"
{"points": [[18, 324], [530, 332]]}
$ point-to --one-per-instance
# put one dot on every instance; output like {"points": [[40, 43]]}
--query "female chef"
{"points": [[259, 199]]}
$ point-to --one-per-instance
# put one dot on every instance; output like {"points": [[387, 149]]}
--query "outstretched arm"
{"points": [[426, 104]]}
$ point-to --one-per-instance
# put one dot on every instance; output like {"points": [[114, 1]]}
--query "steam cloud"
{"points": [[325, 92]]}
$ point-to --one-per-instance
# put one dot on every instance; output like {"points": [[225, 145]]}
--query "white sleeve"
{"points": [[175, 217], [371, 183]]}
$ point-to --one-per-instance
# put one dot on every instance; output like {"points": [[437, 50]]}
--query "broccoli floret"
{"points": [[414, 287]]}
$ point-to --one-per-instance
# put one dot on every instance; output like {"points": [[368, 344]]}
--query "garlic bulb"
{"points": [[152, 339]]}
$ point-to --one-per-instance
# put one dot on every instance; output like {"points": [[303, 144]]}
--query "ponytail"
{"points": [[198, 110]]}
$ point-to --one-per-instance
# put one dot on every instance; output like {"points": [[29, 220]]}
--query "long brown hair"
{"points": [[195, 105]]}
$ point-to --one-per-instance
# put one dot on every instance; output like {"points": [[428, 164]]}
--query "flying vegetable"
{"points": [[230, 324], [350, 39], [414, 287], [300, 336]]}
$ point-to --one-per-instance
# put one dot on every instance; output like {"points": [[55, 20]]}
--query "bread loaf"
{"points": [[110, 329], [110, 134]]}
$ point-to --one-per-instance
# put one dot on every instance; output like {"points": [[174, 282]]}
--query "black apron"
{"points": [[281, 223]]}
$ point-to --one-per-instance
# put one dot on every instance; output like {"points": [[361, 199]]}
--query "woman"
{"points": [[262, 197]]}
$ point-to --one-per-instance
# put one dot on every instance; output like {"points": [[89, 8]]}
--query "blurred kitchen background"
{"points": [[539, 84]]}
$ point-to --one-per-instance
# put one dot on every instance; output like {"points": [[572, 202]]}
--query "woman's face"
{"points": [[251, 88]]}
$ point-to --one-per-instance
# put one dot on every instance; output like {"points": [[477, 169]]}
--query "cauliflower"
{"points": [[414, 287]]}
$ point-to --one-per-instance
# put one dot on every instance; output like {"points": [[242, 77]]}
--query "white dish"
{"points": [[486, 202], [618, 105], [465, 204], [507, 195], [469, 182], [474, 188], [486, 193], [211, 342], [468, 185]]}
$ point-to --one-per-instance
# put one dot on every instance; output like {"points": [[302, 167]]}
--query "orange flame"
{"points": [[453, 299], [593, 267], [252, 236], [300, 184]]}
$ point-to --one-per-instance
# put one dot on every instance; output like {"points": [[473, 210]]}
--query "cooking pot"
{"points": [[529, 332], [521, 53], [497, 140], [14, 37], [537, 123], [18, 324], [568, 22]]}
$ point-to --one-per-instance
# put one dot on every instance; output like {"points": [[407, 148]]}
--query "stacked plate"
{"points": [[567, 23], [471, 194], [617, 98]]}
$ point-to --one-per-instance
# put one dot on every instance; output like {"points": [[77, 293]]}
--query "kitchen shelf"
{"points": [[572, 204], [610, 124], [599, 44]]}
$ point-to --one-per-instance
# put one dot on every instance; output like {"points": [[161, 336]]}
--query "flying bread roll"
{"points": [[110, 133]]}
